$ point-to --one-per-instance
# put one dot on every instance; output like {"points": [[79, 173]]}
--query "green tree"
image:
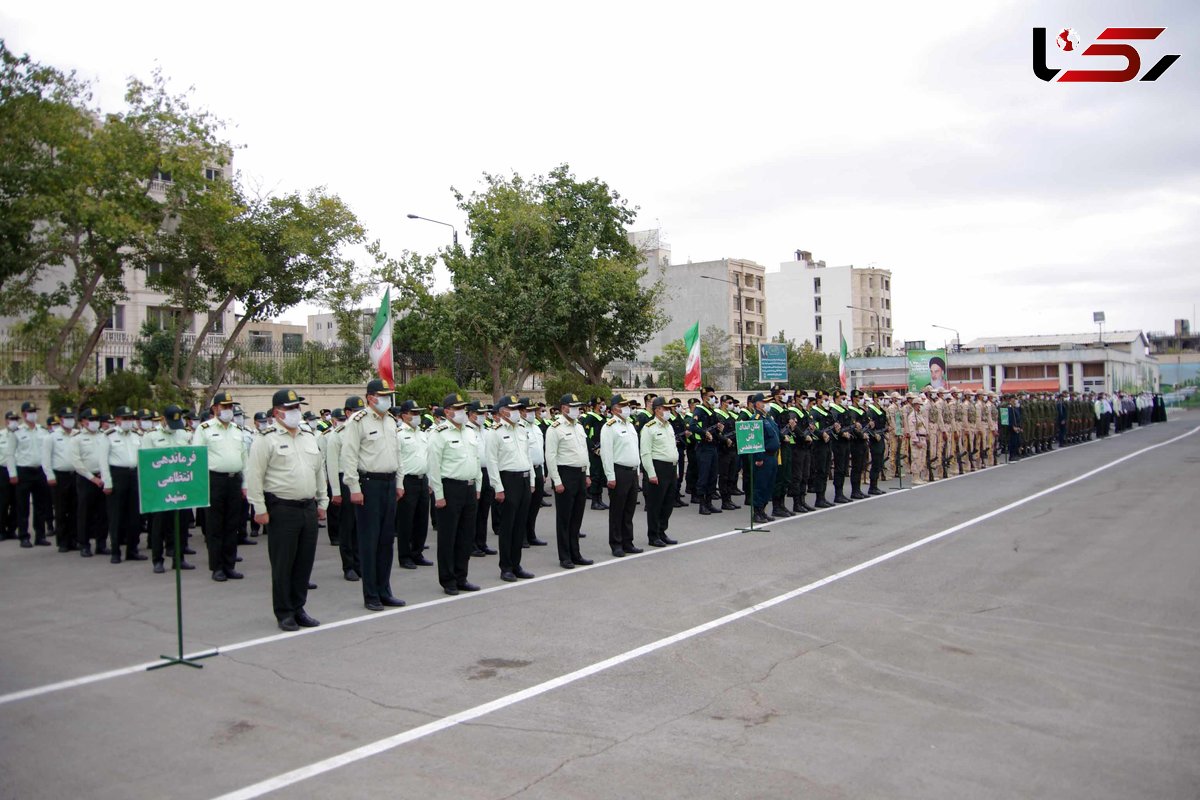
{"points": [[672, 361]]}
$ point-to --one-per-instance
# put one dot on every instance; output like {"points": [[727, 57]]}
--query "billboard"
{"points": [[926, 368]]}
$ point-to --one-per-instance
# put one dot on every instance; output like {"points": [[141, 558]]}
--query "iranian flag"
{"points": [[843, 373], [381, 340], [691, 372]]}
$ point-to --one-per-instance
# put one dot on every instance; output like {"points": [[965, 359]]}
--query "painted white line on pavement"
{"points": [[391, 742], [134, 669]]}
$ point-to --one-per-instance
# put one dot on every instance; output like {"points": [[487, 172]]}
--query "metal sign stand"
{"points": [[180, 659]]}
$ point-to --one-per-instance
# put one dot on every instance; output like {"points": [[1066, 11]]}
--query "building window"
{"points": [[737, 279], [871, 302], [260, 341], [887, 322], [159, 175], [212, 174], [817, 304], [870, 282], [153, 270], [887, 303], [749, 303], [113, 364], [329, 325], [819, 341], [887, 285], [816, 285], [818, 325], [218, 322], [292, 342], [116, 320], [164, 317], [760, 329]]}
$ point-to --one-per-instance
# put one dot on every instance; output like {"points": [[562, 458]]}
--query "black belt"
{"points": [[270, 498], [622, 466], [125, 469], [458, 482], [229, 475], [561, 467], [376, 476], [518, 473], [415, 477]]}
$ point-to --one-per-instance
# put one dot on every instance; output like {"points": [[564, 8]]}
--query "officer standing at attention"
{"points": [[118, 468], [370, 464], [455, 476], [226, 461], [658, 455], [60, 476], [91, 518], [508, 458], [877, 423], [162, 523], [412, 512], [765, 463], [347, 524], [285, 480], [592, 420], [620, 456], [841, 433], [534, 434], [704, 428], [25, 470], [567, 464], [823, 429]]}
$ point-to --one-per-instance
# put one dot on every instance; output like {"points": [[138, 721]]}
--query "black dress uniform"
{"points": [[285, 478], [858, 445], [823, 420], [704, 426], [877, 429], [412, 512], [802, 446], [840, 447]]}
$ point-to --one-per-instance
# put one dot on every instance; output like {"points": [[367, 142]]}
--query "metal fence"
{"points": [[23, 362]]}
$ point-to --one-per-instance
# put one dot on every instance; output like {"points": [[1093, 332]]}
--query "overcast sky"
{"points": [[909, 136]]}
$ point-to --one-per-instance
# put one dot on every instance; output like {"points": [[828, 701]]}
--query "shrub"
{"points": [[427, 389], [576, 384]]}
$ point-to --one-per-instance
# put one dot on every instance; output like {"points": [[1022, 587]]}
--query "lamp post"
{"points": [[957, 338], [878, 329], [453, 230], [741, 326]]}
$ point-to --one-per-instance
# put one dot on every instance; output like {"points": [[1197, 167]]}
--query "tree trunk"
{"points": [[85, 299], [189, 369], [71, 385], [223, 359]]}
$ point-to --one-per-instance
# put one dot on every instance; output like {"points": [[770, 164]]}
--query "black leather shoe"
{"points": [[857, 496], [597, 505], [633, 550], [248, 541], [136, 556], [373, 605], [582, 562], [508, 577], [567, 564], [737, 493], [582, 535], [705, 511], [219, 576], [823, 503], [288, 624], [523, 573], [537, 543], [311, 586], [450, 590], [406, 563], [351, 575], [759, 518], [477, 553], [679, 503], [841, 500], [392, 602], [467, 586], [656, 542], [237, 559], [713, 509], [233, 575], [115, 558], [159, 569], [667, 540], [618, 552], [422, 561], [727, 506], [875, 491], [85, 552], [304, 620], [546, 504], [42, 542], [185, 565], [26, 543], [102, 550], [489, 551], [187, 551]]}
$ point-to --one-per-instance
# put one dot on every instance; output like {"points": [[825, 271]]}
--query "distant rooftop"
{"points": [[1053, 340]]}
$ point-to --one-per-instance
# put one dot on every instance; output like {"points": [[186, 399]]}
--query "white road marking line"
{"points": [[134, 669], [388, 743]]}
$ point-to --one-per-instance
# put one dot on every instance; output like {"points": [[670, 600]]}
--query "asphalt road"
{"points": [[1044, 645]]}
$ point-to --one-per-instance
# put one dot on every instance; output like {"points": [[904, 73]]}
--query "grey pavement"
{"points": [[1047, 651]]}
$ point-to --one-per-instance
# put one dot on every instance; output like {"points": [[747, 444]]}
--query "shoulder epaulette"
{"points": [[441, 426], [611, 421], [359, 414], [111, 431], [555, 424], [205, 424]]}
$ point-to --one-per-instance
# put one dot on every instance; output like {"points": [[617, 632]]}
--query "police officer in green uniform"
{"points": [[118, 468], [658, 455], [286, 481], [454, 476], [226, 462]]}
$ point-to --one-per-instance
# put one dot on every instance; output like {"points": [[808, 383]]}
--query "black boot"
{"points": [[798, 506], [821, 502], [779, 509], [759, 517]]}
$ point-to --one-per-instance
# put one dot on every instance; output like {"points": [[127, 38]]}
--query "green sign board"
{"points": [[749, 436], [772, 363], [172, 478], [1003, 416]]}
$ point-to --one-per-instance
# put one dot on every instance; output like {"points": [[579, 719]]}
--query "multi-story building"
{"points": [[1178, 353], [728, 293], [809, 301], [323, 328], [270, 336]]}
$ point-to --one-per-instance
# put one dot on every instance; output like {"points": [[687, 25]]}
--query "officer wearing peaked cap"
{"points": [[60, 476], [455, 476], [567, 465], [24, 459], [507, 448], [226, 463], [118, 467], [370, 464], [286, 481], [91, 516]]}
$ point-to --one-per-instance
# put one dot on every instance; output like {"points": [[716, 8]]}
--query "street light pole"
{"points": [[957, 338], [878, 328], [453, 230], [741, 326]]}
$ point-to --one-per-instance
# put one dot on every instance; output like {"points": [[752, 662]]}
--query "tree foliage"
{"points": [[808, 368]]}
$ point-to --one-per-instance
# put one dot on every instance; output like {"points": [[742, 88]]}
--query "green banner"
{"points": [[172, 478], [749, 436], [1003, 415], [926, 368]]}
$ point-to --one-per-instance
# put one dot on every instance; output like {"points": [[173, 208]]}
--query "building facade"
{"points": [[1178, 353], [1050, 363], [809, 301]]}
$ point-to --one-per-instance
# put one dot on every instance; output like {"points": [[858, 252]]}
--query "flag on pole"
{"points": [[381, 340], [843, 373], [691, 372]]}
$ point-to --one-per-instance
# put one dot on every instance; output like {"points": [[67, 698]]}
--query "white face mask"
{"points": [[826, 403], [601, 409], [262, 426], [31, 417], [239, 420], [712, 401], [225, 415], [68, 422], [291, 418], [459, 417], [93, 425], [381, 405], [626, 412], [573, 413], [147, 424], [127, 425], [13, 424], [885, 403]]}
